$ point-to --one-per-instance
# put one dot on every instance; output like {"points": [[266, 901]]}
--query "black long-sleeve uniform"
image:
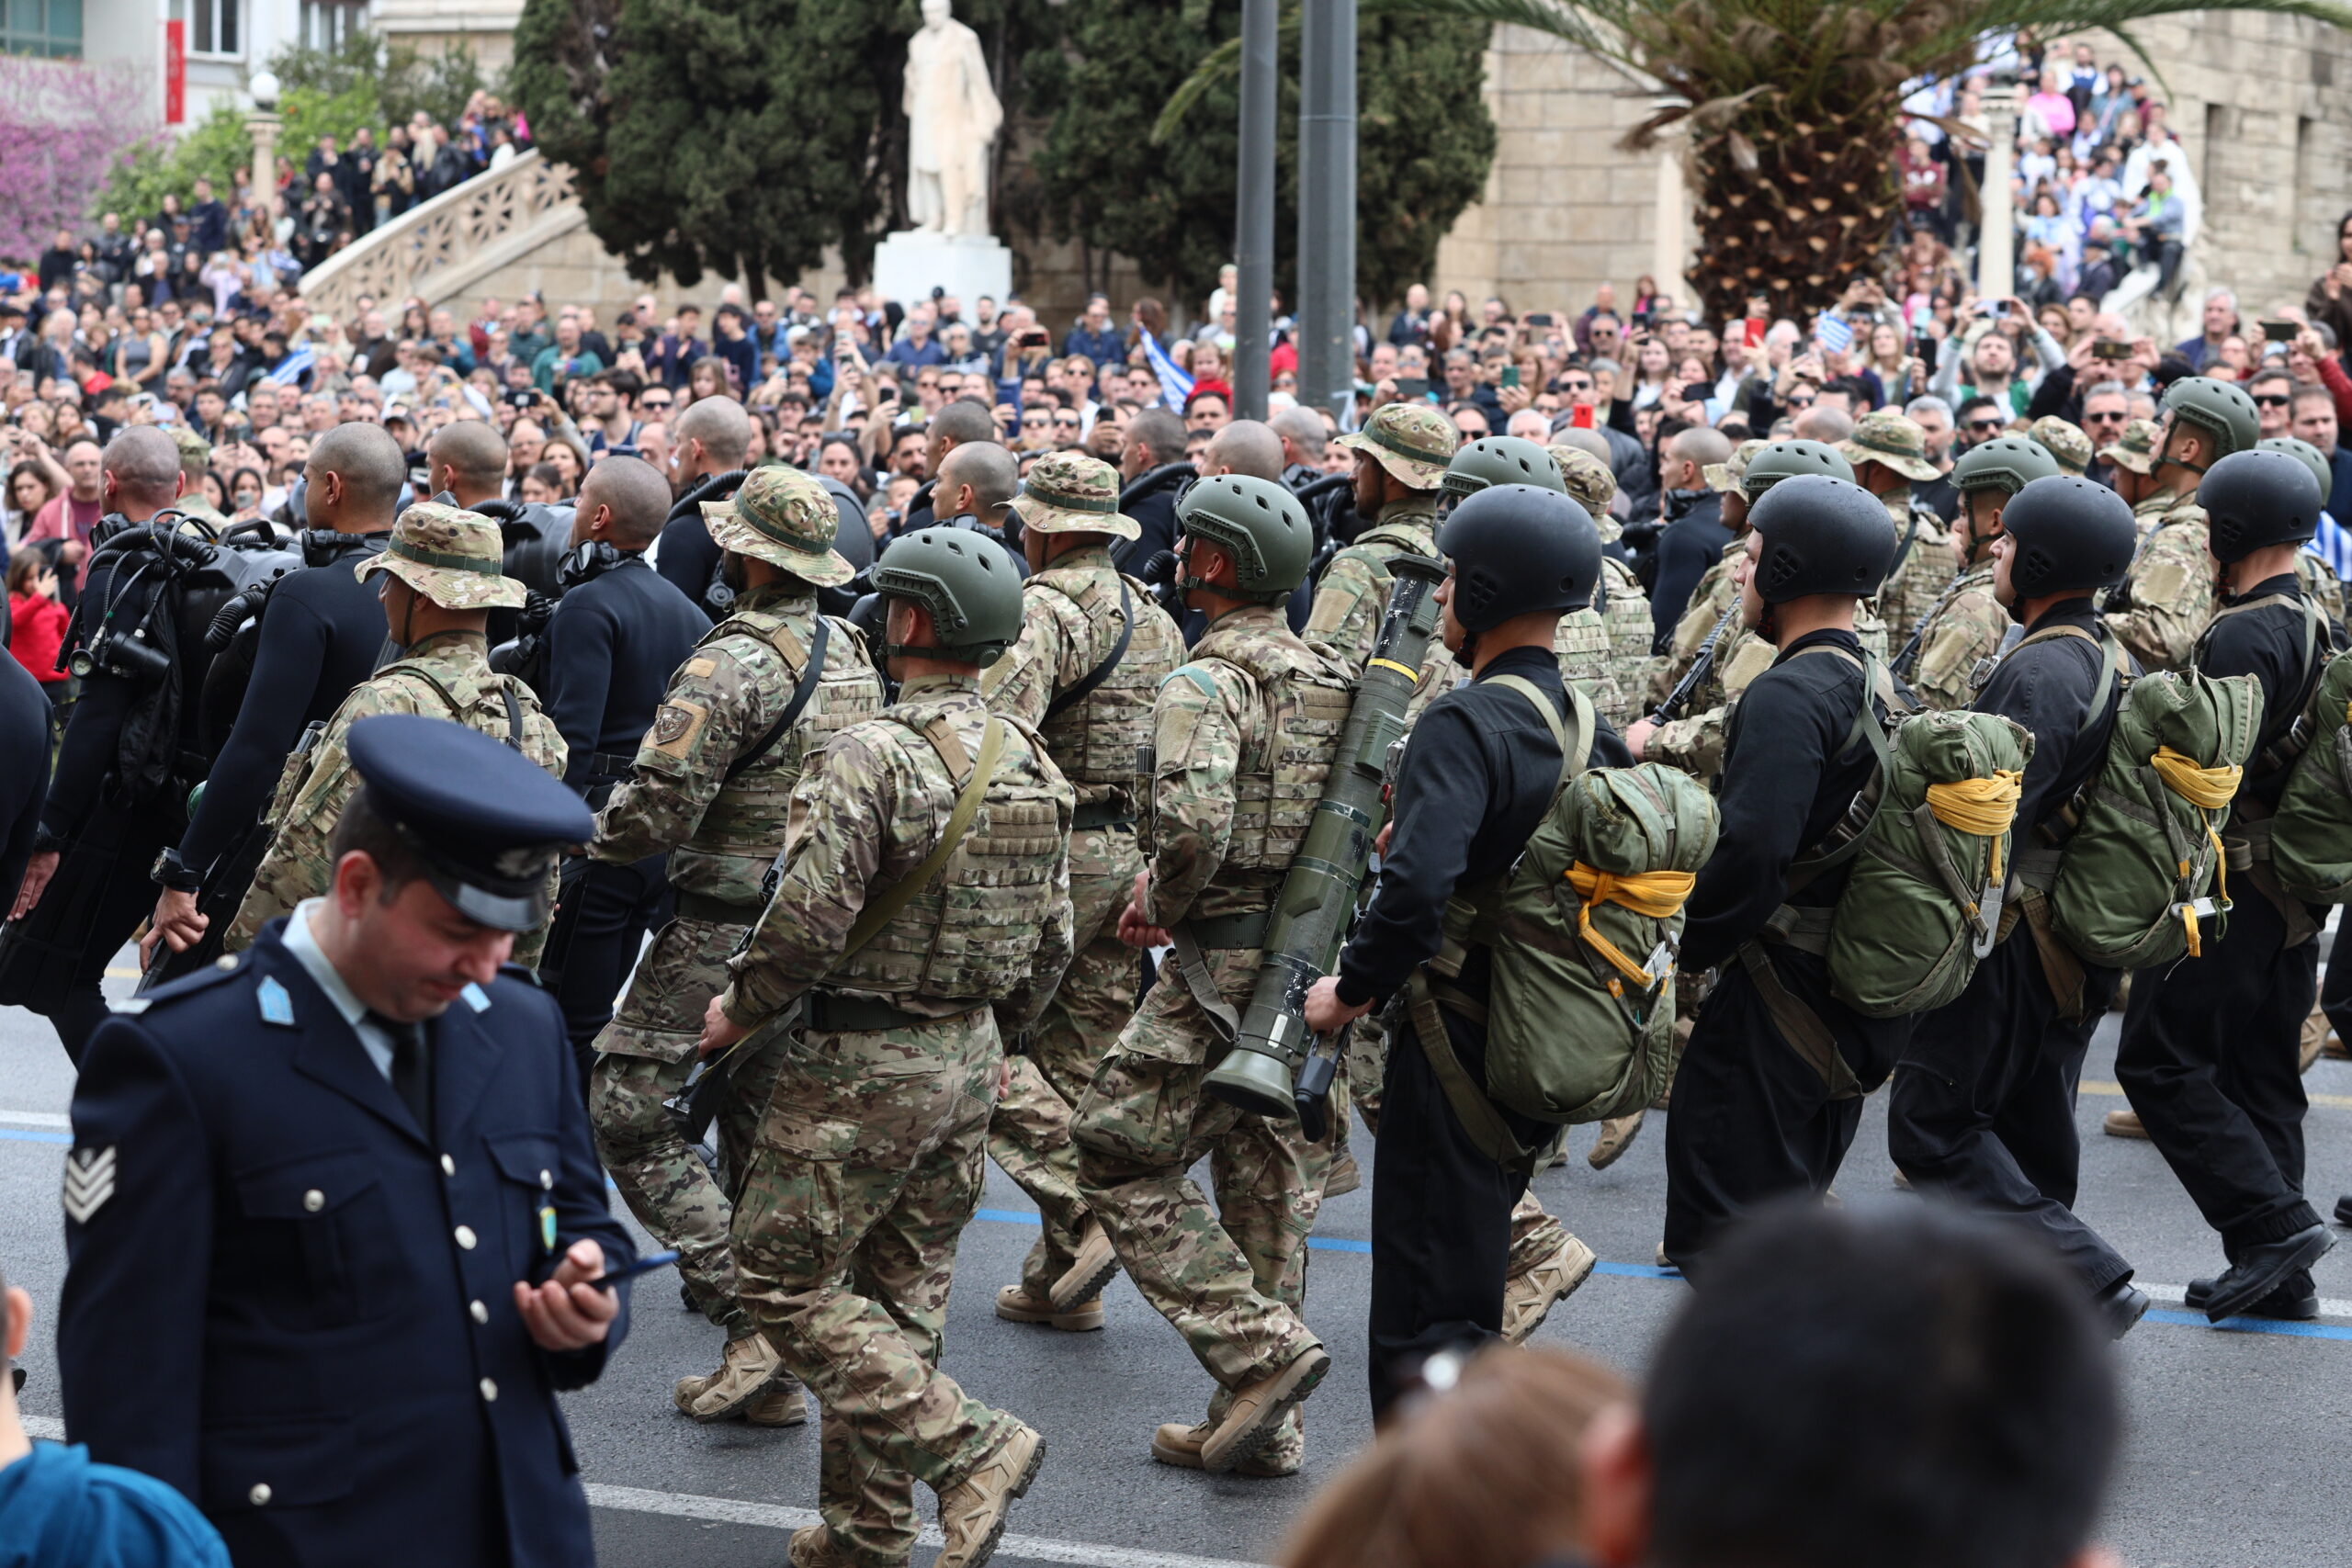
{"points": [[1983, 1107], [1478, 778], [1692, 541], [612, 645], [2210, 1048], [24, 784], [687, 557], [1752, 1119]]}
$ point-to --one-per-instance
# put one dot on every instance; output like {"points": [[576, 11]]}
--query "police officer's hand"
{"points": [[1325, 1013], [1136, 929], [1637, 736], [719, 1030], [565, 1312], [38, 871], [175, 922]]}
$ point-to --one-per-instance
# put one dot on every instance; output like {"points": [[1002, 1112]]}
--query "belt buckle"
{"points": [[1989, 916]]}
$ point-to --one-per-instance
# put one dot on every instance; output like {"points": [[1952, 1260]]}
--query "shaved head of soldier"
{"points": [[1687, 453], [356, 472], [1247, 448], [628, 497], [993, 474], [1302, 433], [142, 473], [957, 425], [1826, 424], [1590, 442], [467, 458], [711, 437]]}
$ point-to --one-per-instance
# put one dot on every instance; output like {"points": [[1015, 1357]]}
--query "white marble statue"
{"points": [[952, 117]]}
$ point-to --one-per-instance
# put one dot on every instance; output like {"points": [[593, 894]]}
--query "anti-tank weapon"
{"points": [[1308, 922]]}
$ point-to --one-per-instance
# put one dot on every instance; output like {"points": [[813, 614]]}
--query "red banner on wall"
{"points": [[174, 72]]}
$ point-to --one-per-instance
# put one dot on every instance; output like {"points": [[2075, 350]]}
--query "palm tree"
{"points": [[1791, 108]]}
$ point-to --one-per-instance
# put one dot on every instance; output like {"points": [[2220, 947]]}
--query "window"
{"points": [[212, 27], [52, 27], [326, 24]]}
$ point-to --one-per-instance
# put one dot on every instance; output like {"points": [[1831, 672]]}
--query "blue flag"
{"points": [[1174, 385]]}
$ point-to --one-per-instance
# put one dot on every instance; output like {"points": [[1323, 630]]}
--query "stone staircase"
{"points": [[450, 245]]}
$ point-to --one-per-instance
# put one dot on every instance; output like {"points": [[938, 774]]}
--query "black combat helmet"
{"points": [[1518, 550], [2067, 534], [1821, 535], [2256, 499]]}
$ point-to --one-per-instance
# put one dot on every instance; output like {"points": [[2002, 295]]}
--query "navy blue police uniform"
{"points": [[290, 1283]]}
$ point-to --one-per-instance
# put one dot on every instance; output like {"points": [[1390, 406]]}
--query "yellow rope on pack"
{"points": [[2209, 789], [1985, 808], [1656, 894]]}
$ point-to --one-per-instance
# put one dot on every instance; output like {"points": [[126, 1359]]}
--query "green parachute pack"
{"points": [[2311, 837], [2139, 876], [1583, 932]]}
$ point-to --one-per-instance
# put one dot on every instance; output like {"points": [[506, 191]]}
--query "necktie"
{"points": [[412, 1067]]}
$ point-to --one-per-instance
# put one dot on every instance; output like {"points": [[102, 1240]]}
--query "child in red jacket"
{"points": [[37, 622]]}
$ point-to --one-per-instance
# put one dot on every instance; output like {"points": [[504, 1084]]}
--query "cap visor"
{"points": [[498, 911], [450, 590], [1050, 519], [824, 569]]}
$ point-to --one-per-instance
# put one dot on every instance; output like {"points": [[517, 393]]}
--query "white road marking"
{"points": [[772, 1516], [2177, 1295], [36, 1119]]}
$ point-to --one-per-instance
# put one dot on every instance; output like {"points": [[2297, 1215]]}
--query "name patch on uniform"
{"points": [[89, 1182], [276, 1005]]}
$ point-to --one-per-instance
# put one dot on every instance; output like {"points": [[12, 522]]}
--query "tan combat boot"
{"points": [[1016, 1304], [1084, 1279], [1256, 1413], [812, 1547], [1180, 1444], [2124, 1123], [2314, 1041], [972, 1512], [1617, 1135], [785, 1404], [1528, 1298], [749, 1364], [1345, 1177]]}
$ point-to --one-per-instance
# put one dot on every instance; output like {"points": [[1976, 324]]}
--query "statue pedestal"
{"points": [[909, 265]]}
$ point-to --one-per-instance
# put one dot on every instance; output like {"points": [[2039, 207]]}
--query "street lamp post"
{"points": [[261, 123], [1254, 227], [1327, 204], [1996, 274]]}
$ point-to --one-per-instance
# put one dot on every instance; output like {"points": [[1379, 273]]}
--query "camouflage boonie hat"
{"points": [[191, 445], [2063, 441], [453, 557], [2135, 448], [1587, 477], [1885, 436], [785, 517], [1726, 476], [1069, 492], [1412, 440]]}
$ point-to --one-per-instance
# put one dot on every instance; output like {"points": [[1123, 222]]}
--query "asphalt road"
{"points": [[2235, 1455]]}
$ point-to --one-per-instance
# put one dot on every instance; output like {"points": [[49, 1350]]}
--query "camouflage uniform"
{"points": [[1967, 626], [1624, 608], [450, 556], [1413, 442], [196, 456], [723, 825], [1072, 622], [1695, 741], [1587, 658], [2163, 608], [1895, 442], [1245, 736], [870, 1158]]}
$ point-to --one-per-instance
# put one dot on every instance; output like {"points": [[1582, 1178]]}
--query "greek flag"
{"points": [[1174, 385], [293, 367], [2333, 544], [1833, 332]]}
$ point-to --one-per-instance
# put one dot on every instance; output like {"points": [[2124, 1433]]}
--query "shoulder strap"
{"points": [[403, 667], [2110, 657], [1805, 869], [1101, 671], [810, 673], [880, 911], [1572, 757], [513, 713]]}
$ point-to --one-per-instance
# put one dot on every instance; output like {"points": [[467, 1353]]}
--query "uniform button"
{"points": [[448, 1166], [229, 960], [314, 1200], [546, 1182], [482, 1313], [259, 1495], [489, 1390], [466, 1237]]}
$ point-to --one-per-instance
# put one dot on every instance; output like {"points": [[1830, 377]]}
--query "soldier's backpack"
{"points": [[1583, 932], [2139, 876], [2311, 837]]}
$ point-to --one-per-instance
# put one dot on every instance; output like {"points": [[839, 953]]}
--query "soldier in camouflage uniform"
{"points": [[710, 785], [1094, 648], [1400, 457], [2066, 443], [196, 457], [1245, 735], [442, 578], [1625, 607], [1889, 454], [2164, 606], [922, 916], [1967, 622]]}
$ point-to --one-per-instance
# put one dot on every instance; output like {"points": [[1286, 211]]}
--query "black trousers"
{"points": [[1982, 1109], [2335, 980], [606, 911], [2211, 1059], [1752, 1121], [1441, 1216], [97, 898]]}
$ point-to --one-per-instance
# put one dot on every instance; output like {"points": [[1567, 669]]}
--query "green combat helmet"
{"points": [[2221, 407], [1260, 525], [1787, 460], [2305, 453], [967, 584], [2006, 463], [1499, 461]]}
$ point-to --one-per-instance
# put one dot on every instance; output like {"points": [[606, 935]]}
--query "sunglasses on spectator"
{"points": [[2115, 417], [1065, 418], [1986, 424], [654, 402], [1798, 402], [2271, 400], [1577, 384]]}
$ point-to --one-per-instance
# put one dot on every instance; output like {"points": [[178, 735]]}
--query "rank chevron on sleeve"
{"points": [[89, 1182]]}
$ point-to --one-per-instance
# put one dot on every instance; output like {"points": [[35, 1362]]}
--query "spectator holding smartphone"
{"points": [[37, 621]]}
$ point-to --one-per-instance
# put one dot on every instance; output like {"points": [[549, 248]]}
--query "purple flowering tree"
{"points": [[62, 125]]}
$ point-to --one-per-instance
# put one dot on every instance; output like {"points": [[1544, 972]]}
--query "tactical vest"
{"points": [[1618, 596], [1093, 740], [1582, 644], [972, 935], [742, 828], [1302, 701]]}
